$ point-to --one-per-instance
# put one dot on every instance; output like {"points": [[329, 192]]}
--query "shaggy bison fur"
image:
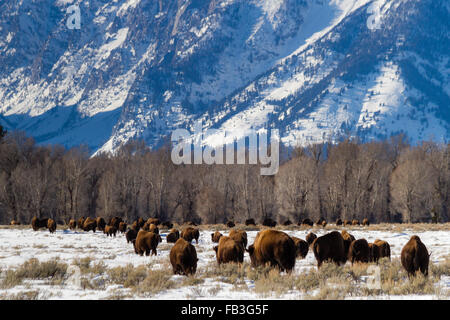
{"points": [[415, 257], [365, 222], [274, 247], [89, 224], [173, 236], [37, 223], [239, 236], [359, 251], [339, 222], [131, 235], [384, 248], [183, 258], [269, 223], [310, 237], [190, 233], [307, 222], [110, 231], [215, 237], [230, 224], [229, 250], [145, 242], [72, 224], [329, 247], [302, 247], [250, 222], [101, 224], [51, 225], [348, 239]]}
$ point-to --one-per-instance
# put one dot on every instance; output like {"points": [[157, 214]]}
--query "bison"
{"points": [[374, 252], [153, 228], [329, 247], [239, 236], [173, 236], [302, 247], [310, 237], [131, 235], [365, 222], [190, 233], [229, 250], [167, 224], [359, 251], [81, 222], [51, 225], [110, 231], [215, 237], [355, 222], [307, 222], [319, 222], [90, 224], [72, 224], [348, 239], [183, 258], [122, 227], [414, 256], [230, 224], [14, 223], [145, 242], [101, 224], [37, 223], [324, 223], [347, 223], [339, 222], [269, 223], [154, 221], [287, 222], [115, 221], [384, 248], [274, 247], [250, 222]]}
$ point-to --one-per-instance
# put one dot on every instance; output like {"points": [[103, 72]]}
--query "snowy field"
{"points": [[20, 244]]}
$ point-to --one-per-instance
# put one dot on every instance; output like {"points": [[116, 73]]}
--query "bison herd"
{"points": [[270, 246]]}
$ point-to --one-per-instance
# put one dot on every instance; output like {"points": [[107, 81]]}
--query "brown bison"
{"points": [[307, 222], [37, 223], [173, 236], [365, 222], [359, 251], [374, 252], [355, 222], [90, 224], [215, 237], [72, 224], [154, 221], [287, 222], [319, 222], [51, 225], [167, 224], [250, 222], [302, 247], [81, 222], [101, 224], [131, 235], [239, 236], [110, 231], [274, 247], [115, 221], [269, 223], [14, 223], [190, 233], [329, 247], [347, 223], [310, 237], [145, 242], [339, 222], [183, 258], [122, 227], [415, 257], [229, 250], [153, 228], [324, 223], [230, 224], [384, 248], [348, 239], [135, 226]]}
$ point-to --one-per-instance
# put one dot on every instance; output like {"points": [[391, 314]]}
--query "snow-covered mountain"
{"points": [[314, 69]]}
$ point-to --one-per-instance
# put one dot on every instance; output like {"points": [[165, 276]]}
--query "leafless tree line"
{"points": [[387, 181]]}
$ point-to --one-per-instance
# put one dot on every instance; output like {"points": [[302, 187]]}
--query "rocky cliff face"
{"points": [[314, 69]]}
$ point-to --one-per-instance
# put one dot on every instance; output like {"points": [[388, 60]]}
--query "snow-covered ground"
{"points": [[18, 245]]}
